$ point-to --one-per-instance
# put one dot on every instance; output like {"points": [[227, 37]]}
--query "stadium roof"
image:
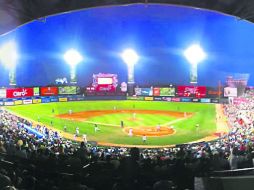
{"points": [[14, 13]]}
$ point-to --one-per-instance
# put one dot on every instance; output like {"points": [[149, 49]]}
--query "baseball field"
{"points": [[126, 122]]}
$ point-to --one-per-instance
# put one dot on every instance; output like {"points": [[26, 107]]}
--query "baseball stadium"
{"points": [[126, 95]]}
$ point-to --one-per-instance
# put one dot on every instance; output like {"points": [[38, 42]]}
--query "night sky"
{"points": [[158, 33]]}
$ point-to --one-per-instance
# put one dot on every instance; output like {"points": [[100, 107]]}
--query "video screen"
{"points": [[67, 90], [105, 80], [167, 91]]}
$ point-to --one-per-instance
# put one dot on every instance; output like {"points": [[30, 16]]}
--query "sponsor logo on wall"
{"points": [[205, 100], [19, 92], [167, 99], [215, 100], [18, 102], [63, 99], [149, 98], [175, 99], [27, 101], [8, 103], [157, 98], [185, 99], [36, 101], [49, 91]]}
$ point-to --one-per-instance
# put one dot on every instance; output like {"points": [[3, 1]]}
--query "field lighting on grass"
{"points": [[194, 54], [73, 58], [9, 57]]}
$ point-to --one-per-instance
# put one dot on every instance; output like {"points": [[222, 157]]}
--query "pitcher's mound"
{"points": [[150, 131]]}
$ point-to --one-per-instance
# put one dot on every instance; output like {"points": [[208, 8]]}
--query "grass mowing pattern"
{"points": [[185, 129]]}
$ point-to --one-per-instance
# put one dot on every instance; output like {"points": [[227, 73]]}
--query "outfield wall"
{"points": [[179, 99], [70, 98]]}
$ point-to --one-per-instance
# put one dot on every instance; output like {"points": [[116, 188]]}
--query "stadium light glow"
{"points": [[194, 54], [9, 57], [73, 57], [130, 57]]}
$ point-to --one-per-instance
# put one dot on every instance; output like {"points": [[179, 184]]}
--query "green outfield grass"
{"points": [[204, 115]]}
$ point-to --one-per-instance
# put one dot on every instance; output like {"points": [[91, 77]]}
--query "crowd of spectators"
{"points": [[29, 162]]}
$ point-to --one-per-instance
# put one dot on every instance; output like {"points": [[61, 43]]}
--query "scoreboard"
{"points": [[104, 82]]}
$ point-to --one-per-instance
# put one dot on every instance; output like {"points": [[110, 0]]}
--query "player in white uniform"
{"points": [[144, 138], [85, 138], [158, 128], [77, 131], [130, 132]]}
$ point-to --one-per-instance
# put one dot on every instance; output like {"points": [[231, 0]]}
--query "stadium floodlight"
{"points": [[73, 58], [130, 57], [194, 54], [9, 57]]}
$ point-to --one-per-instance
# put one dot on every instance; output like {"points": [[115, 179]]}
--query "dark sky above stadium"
{"points": [[158, 33]]}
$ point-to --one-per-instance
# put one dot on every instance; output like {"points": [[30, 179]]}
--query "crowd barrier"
{"points": [[68, 98]]}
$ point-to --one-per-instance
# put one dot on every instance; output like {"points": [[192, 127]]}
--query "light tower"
{"points": [[194, 54], [130, 57], [73, 58], [8, 57]]}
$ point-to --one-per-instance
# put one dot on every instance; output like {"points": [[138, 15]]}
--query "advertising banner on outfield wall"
{"points": [[53, 99], [72, 98], [49, 91], [8, 103], [167, 91], [2, 93], [67, 90], [45, 100], [168, 99], [18, 102], [149, 98], [29, 101], [215, 101], [186, 99], [19, 92], [135, 98], [205, 100], [191, 91], [175, 99], [143, 91], [80, 98], [157, 98], [63, 99], [195, 100], [36, 101]]}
